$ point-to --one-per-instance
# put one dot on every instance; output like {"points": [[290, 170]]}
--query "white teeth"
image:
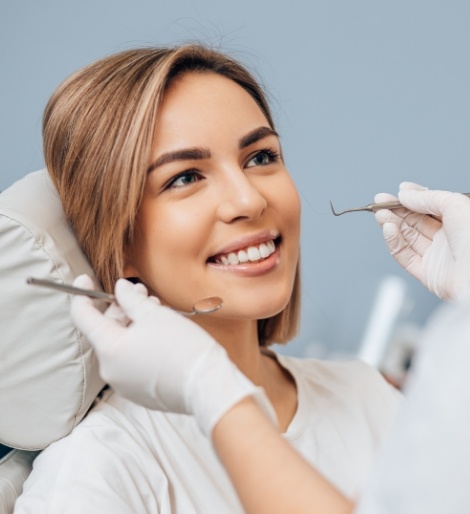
{"points": [[232, 258], [252, 254], [243, 256], [264, 251]]}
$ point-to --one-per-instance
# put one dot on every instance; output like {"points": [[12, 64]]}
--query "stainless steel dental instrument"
{"points": [[203, 306], [373, 207]]}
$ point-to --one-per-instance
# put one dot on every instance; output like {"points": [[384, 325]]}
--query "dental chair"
{"points": [[48, 373]]}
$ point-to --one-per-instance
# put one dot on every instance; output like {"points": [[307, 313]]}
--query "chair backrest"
{"points": [[48, 372]]}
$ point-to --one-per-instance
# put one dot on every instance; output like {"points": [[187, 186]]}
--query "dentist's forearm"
{"points": [[268, 474]]}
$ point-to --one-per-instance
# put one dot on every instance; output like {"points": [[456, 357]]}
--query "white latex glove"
{"points": [[160, 359], [430, 238]]}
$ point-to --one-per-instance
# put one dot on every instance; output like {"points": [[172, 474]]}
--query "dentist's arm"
{"points": [[430, 237], [269, 476]]}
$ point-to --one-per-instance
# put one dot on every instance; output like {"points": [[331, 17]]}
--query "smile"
{"points": [[249, 254]]}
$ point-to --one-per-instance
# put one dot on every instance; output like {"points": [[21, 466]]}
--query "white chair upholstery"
{"points": [[48, 372]]}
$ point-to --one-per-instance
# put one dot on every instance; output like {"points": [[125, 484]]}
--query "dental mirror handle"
{"points": [[203, 306]]}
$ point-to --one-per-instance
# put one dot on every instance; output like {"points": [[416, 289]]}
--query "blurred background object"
{"points": [[366, 94], [391, 339]]}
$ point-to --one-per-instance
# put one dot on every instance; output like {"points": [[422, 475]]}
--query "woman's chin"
{"points": [[253, 310]]}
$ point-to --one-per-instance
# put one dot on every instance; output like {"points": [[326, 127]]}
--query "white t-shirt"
{"points": [[124, 458]]}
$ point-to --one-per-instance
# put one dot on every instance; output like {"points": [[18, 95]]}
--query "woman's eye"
{"points": [[263, 158], [184, 179]]}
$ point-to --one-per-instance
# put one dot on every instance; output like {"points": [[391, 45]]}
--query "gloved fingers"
{"points": [[84, 281], [416, 230], [92, 323], [114, 312], [384, 197], [429, 225], [88, 319], [401, 250], [134, 299], [386, 215], [415, 239], [141, 288], [399, 217], [412, 185], [426, 225], [417, 224]]}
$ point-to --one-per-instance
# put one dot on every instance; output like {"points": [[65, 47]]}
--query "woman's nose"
{"points": [[240, 198]]}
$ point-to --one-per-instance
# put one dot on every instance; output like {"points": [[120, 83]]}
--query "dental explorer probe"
{"points": [[373, 207]]}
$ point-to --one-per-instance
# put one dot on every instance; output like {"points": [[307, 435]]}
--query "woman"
{"points": [[171, 172]]}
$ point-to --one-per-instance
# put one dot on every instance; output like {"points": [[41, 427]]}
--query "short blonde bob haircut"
{"points": [[98, 130]]}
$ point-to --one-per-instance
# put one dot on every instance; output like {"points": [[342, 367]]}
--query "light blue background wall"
{"points": [[366, 94]]}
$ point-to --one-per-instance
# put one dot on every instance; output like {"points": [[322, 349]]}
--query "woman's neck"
{"points": [[240, 339]]}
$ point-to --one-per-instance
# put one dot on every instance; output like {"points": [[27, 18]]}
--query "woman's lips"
{"points": [[253, 253], [250, 261]]}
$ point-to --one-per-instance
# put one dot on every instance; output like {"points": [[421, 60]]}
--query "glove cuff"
{"points": [[216, 386]]}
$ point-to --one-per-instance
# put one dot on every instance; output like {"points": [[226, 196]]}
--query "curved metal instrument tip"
{"points": [[334, 212], [372, 207]]}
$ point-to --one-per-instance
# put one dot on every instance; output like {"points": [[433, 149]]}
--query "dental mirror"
{"points": [[203, 306]]}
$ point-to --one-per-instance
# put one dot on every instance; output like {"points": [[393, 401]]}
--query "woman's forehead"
{"points": [[199, 104], [196, 91]]}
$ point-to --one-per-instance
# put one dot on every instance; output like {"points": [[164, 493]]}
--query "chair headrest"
{"points": [[48, 372]]}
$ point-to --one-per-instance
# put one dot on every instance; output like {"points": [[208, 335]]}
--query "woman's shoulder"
{"points": [[347, 379], [347, 370], [95, 468], [346, 394]]}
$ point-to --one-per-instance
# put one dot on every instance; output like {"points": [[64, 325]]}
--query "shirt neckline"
{"points": [[298, 423]]}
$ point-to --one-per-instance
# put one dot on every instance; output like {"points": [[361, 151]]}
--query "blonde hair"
{"points": [[98, 129]]}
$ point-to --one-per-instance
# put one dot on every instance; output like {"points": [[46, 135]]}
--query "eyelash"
{"points": [[273, 156], [188, 173]]}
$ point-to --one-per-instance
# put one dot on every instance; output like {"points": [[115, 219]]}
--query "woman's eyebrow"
{"points": [[186, 154], [256, 135]]}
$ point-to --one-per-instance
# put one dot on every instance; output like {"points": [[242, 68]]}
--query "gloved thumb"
{"points": [[413, 186], [428, 202]]}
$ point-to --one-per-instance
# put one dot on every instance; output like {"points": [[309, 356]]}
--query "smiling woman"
{"points": [[128, 141], [171, 172]]}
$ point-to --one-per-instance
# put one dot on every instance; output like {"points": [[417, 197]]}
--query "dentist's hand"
{"points": [[159, 359], [430, 237]]}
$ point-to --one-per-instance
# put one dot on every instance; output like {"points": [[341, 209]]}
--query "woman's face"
{"points": [[220, 214]]}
